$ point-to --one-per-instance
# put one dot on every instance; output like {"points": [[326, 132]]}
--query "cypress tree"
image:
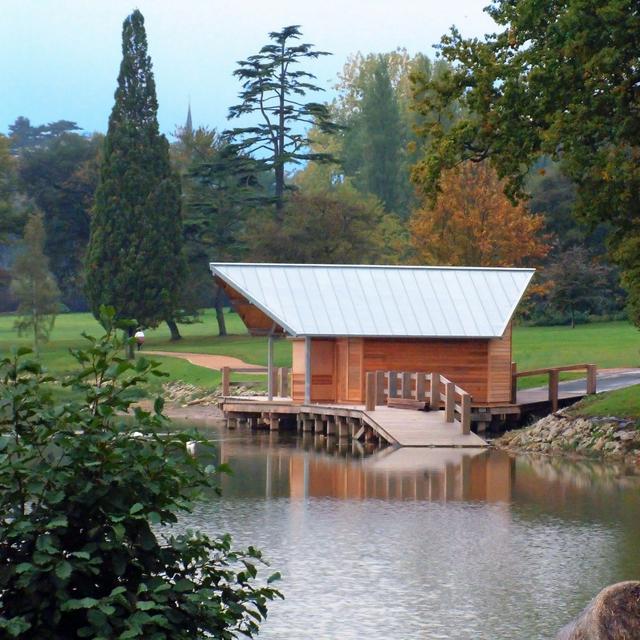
{"points": [[135, 260]]}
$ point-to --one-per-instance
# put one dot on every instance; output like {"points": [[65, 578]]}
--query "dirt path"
{"points": [[206, 360]]}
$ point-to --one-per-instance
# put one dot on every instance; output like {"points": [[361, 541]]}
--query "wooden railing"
{"points": [[433, 388], [280, 380], [554, 379]]}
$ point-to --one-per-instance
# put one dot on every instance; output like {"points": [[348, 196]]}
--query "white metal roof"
{"points": [[381, 301]]}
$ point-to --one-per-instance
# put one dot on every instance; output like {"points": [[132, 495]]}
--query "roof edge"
{"points": [[239, 289], [367, 266]]}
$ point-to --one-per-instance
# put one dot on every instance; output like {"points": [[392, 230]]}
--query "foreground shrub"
{"points": [[88, 497]]}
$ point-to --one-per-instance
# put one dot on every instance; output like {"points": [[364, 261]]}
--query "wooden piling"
{"points": [[226, 380], [592, 379], [554, 380]]}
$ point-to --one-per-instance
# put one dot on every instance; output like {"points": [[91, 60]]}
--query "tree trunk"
{"points": [[222, 327], [129, 348], [175, 332], [573, 319]]}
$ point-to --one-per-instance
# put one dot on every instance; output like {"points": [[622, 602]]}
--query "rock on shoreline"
{"points": [[561, 432]]}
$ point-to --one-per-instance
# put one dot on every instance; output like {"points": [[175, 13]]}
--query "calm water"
{"points": [[424, 543]]}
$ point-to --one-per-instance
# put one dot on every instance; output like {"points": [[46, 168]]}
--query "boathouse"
{"points": [[344, 321]]}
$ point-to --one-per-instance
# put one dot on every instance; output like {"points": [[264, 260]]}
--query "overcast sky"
{"points": [[60, 58]]}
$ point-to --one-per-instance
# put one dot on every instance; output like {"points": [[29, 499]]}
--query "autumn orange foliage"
{"points": [[474, 224]]}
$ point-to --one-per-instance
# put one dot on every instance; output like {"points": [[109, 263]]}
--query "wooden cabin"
{"points": [[344, 321]]}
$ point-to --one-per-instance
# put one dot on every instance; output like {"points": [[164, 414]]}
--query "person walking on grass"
{"points": [[139, 336]]}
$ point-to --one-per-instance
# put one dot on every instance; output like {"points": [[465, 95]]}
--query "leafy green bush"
{"points": [[89, 492]]}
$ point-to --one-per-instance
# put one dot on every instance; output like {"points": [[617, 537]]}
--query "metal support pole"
{"points": [[270, 375], [307, 370]]}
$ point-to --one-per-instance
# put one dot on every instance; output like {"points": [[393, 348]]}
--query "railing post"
{"points": [[406, 384], [434, 397], [420, 387], [514, 383], [592, 380], [379, 387], [449, 401], [554, 378], [283, 382], [393, 384], [226, 380], [370, 392], [465, 418]]}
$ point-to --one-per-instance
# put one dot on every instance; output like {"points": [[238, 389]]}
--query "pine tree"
{"points": [[34, 286], [135, 260]]}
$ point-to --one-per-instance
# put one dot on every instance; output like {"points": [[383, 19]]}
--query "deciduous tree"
{"points": [[90, 494], [61, 178], [135, 258], [474, 224], [556, 79], [34, 286]]}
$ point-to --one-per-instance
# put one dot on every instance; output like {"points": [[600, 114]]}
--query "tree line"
{"points": [[405, 165]]}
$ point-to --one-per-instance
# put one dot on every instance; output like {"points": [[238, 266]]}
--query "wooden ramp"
{"points": [[420, 428]]}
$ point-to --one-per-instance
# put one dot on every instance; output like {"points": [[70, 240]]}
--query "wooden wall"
{"points": [[480, 367], [323, 382], [499, 368]]}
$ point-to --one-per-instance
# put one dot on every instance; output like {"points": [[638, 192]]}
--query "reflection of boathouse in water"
{"points": [[321, 468]]}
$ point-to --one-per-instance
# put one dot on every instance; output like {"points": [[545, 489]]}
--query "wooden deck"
{"points": [[397, 427]]}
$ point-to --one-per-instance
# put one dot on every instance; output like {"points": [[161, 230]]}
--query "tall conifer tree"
{"points": [[135, 260]]}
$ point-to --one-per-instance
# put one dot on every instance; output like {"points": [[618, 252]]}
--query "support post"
{"points": [[307, 370], [379, 387], [449, 401], [270, 376], [435, 391], [514, 383], [592, 380], [420, 387], [465, 410], [226, 380], [393, 384], [554, 379], [406, 384], [370, 391]]}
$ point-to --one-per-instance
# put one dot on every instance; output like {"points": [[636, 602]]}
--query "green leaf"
{"points": [[136, 508], [81, 603], [63, 570], [154, 517]]}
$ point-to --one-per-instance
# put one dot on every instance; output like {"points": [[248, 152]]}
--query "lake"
{"points": [[423, 543]]}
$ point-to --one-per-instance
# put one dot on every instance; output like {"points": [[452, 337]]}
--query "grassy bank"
{"points": [[609, 344], [622, 403]]}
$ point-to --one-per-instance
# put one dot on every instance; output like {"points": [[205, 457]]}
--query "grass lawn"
{"points": [[608, 344], [622, 403]]}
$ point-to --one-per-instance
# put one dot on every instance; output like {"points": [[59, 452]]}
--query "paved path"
{"points": [[607, 380], [206, 360]]}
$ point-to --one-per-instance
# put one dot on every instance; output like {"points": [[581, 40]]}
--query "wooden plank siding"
{"points": [[323, 379], [499, 368], [339, 366], [463, 361]]}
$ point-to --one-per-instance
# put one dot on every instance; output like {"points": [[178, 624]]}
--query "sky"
{"points": [[59, 59]]}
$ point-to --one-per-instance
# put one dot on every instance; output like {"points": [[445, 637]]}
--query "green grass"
{"points": [[622, 403], [198, 337], [607, 344]]}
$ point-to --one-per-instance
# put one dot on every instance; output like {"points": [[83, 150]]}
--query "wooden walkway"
{"points": [[398, 427]]}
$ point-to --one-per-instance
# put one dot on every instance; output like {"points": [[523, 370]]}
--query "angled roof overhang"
{"points": [[373, 301]]}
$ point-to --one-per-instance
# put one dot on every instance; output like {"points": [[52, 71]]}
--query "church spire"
{"points": [[188, 125]]}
